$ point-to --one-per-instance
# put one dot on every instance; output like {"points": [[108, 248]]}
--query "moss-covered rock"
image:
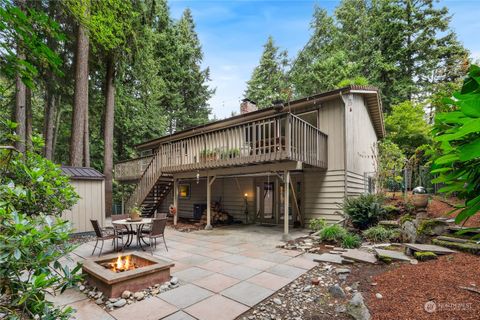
{"points": [[424, 255], [405, 218], [385, 259], [431, 227], [470, 247]]}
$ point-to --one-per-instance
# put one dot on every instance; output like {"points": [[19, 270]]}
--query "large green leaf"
{"points": [[470, 126], [467, 212], [448, 158], [471, 106], [470, 151]]}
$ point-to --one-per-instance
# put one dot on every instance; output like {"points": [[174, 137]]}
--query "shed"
{"points": [[90, 186]]}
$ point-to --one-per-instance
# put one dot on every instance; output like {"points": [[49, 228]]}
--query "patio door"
{"points": [[266, 208]]}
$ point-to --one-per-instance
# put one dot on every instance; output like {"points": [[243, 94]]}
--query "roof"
{"points": [[370, 93], [82, 173]]}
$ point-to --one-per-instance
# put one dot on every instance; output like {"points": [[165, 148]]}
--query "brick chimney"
{"points": [[247, 106]]}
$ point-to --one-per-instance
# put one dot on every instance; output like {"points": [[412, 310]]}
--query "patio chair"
{"points": [[103, 235], [146, 229], [157, 231], [121, 230]]}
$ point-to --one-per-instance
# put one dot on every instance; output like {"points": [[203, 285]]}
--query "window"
{"points": [[184, 191]]}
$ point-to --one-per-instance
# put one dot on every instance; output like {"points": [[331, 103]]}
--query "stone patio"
{"points": [[222, 273]]}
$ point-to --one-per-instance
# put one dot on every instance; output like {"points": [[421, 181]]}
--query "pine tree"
{"points": [[322, 63], [192, 86], [268, 81], [403, 47]]}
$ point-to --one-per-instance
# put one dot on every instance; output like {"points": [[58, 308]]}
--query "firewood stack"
{"points": [[219, 216]]}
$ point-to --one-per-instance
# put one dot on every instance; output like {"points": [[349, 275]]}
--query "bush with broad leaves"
{"points": [[456, 153], [33, 237]]}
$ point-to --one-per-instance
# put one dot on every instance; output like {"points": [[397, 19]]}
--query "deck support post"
{"points": [[175, 201], [286, 202], [210, 181]]}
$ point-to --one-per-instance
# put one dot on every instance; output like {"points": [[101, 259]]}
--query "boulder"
{"points": [[336, 291], [120, 303], [357, 309]]}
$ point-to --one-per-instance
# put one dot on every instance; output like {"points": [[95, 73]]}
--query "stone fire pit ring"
{"points": [[150, 270]]}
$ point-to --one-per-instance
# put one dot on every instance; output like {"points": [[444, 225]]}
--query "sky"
{"points": [[233, 32]]}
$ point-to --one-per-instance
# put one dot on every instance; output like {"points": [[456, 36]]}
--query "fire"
{"points": [[122, 264]]}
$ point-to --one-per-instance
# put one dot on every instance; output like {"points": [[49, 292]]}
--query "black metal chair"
{"points": [[159, 215], [104, 235], [156, 231], [120, 230]]}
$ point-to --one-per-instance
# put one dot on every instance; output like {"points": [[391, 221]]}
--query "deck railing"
{"points": [[131, 169], [275, 138]]}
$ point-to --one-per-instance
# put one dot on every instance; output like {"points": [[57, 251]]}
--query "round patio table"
{"points": [[130, 226]]}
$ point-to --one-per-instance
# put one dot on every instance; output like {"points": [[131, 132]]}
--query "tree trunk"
{"points": [[108, 133], [56, 128], [80, 98], [50, 94], [49, 125], [20, 99], [28, 119], [86, 142]]}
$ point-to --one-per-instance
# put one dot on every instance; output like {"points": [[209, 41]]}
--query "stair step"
{"points": [[469, 247], [459, 228], [452, 239]]}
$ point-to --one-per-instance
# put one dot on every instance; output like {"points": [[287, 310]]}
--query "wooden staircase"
{"points": [[156, 196], [151, 189]]}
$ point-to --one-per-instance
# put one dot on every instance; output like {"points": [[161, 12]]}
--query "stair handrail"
{"points": [[146, 182]]}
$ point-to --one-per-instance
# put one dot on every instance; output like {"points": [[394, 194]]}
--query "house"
{"points": [[89, 184], [281, 165]]}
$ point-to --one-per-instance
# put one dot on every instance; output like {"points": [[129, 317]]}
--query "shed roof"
{"points": [[82, 173], [370, 93]]}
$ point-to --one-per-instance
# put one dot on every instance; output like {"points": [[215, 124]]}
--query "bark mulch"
{"points": [[409, 290], [439, 207]]}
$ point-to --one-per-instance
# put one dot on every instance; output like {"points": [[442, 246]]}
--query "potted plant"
{"points": [[208, 155], [230, 153], [135, 213]]}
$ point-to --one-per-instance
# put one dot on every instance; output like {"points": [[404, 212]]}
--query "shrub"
{"points": [[456, 151], [317, 224], [365, 210], [351, 241], [33, 237], [381, 234], [333, 233]]}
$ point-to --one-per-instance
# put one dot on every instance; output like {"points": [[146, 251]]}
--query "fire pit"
{"points": [[112, 274]]}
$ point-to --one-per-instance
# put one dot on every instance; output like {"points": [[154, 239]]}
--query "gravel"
{"points": [[127, 297], [300, 300]]}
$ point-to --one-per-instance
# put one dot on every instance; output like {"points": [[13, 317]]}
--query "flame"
{"points": [[122, 264], [127, 263]]}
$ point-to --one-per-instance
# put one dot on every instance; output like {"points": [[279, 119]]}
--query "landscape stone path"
{"points": [[222, 273]]}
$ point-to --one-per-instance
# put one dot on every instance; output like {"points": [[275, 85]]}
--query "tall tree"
{"points": [[80, 96], [193, 87], [268, 82], [20, 96], [24, 29], [407, 127], [404, 47], [110, 25], [322, 63]]}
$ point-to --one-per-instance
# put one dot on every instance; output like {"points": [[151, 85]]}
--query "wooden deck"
{"points": [[272, 139], [279, 138]]}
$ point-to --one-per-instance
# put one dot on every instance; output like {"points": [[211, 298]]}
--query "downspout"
{"points": [[345, 192]]}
